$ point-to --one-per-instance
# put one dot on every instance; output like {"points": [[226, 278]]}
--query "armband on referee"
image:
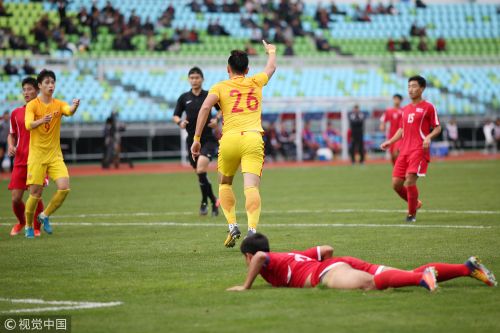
{"points": [[196, 138]]}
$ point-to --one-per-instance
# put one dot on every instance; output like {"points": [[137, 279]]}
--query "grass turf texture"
{"points": [[172, 278]]}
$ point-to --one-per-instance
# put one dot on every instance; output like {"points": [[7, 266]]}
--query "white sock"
{"points": [[232, 225]]}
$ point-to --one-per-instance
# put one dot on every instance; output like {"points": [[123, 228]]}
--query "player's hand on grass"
{"points": [[11, 151], [183, 124], [270, 48], [213, 123], [195, 149], [427, 143], [384, 145], [236, 288]]}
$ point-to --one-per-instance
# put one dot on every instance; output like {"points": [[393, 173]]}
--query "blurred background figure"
{"points": [[357, 127], [489, 141], [497, 134], [112, 142], [4, 133], [272, 148], [309, 142], [453, 137], [333, 139]]}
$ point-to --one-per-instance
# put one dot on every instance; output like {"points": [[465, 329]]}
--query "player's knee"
{"points": [[17, 198]]}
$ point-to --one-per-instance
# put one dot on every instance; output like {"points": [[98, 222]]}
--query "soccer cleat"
{"points": [[44, 221], [215, 208], [37, 233], [16, 229], [232, 236], [411, 218], [428, 280], [203, 209], [29, 233], [480, 272]]}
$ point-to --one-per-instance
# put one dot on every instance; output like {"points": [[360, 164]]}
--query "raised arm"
{"points": [[74, 106], [254, 268], [271, 59]]}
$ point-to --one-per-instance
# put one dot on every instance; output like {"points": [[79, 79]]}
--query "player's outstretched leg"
{"points": [[53, 205], [228, 205], [395, 278], [29, 213]]}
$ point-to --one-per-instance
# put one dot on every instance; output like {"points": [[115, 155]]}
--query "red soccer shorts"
{"points": [[415, 162], [18, 178]]}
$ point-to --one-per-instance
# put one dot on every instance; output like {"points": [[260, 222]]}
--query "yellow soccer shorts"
{"points": [[245, 148], [37, 171]]}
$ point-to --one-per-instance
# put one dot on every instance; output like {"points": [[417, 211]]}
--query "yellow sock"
{"points": [[252, 206], [56, 202], [228, 202], [29, 209]]}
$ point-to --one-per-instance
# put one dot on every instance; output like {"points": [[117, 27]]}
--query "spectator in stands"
{"points": [[17, 42], [271, 143], [405, 45], [360, 15], [229, 7], [27, 68], [41, 33], [215, 29], [309, 142], [453, 136], [3, 12], [332, 139], [151, 42], [164, 43], [84, 43], [296, 26], [256, 35], [289, 49], [246, 21], [195, 6], [335, 10], [321, 43], [279, 37], [357, 127], [420, 4], [368, 8], [497, 133], [211, 6], [83, 17], [391, 10], [9, 68], [391, 45], [441, 44], [322, 17], [380, 9], [61, 9], [165, 20], [489, 141], [148, 28], [287, 141], [422, 44]]}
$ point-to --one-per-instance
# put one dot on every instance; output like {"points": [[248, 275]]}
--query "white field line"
{"points": [[276, 212], [273, 225], [61, 305]]}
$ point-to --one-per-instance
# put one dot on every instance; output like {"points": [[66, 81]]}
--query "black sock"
{"points": [[207, 187], [202, 178]]}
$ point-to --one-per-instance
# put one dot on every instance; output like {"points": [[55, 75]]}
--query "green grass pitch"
{"points": [[172, 278]]}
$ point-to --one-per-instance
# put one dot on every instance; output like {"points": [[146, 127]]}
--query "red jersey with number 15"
{"points": [[18, 129], [417, 122]]}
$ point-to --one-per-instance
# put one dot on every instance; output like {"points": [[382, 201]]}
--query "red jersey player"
{"points": [[419, 125], [393, 117], [18, 146], [317, 265]]}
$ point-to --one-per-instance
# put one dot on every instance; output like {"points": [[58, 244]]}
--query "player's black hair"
{"points": [[238, 61], [31, 81], [398, 96], [195, 70], [255, 243], [45, 73], [421, 81]]}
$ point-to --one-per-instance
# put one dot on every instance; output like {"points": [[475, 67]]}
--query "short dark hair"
{"points": [[195, 70], [45, 73], [421, 81], [31, 81], [255, 243], [398, 96], [238, 61]]}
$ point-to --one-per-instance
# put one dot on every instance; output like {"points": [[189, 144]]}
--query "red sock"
{"points": [[39, 209], [402, 193], [396, 278], [412, 199], [446, 272], [18, 209]]}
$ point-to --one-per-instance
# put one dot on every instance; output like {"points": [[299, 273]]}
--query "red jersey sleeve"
{"points": [[433, 117], [313, 253], [13, 127]]}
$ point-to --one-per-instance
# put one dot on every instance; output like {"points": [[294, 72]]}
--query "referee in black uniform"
{"points": [[357, 125], [190, 102]]}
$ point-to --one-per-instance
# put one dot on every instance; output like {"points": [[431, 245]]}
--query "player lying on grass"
{"points": [[318, 266]]}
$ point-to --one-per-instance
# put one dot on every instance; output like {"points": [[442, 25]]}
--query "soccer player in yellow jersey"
{"points": [[43, 119], [240, 100]]}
